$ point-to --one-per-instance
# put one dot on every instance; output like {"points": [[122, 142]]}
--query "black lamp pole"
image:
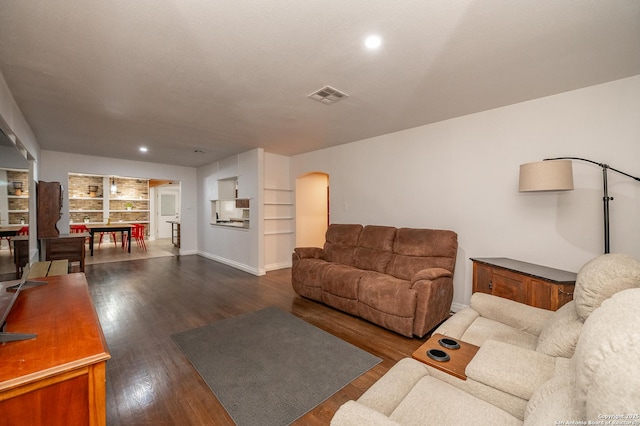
{"points": [[605, 198]]}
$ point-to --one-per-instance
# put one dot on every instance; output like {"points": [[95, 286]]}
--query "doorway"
{"points": [[312, 209], [167, 208]]}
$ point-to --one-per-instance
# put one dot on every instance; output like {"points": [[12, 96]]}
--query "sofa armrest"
{"points": [[511, 369], [517, 315], [430, 274], [309, 252], [434, 288], [353, 413]]}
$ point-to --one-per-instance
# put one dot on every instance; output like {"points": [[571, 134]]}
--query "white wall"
{"points": [[462, 174], [56, 166], [13, 123], [240, 248]]}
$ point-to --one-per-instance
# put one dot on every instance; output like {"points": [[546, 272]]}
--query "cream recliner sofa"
{"points": [[552, 333], [600, 381], [520, 346]]}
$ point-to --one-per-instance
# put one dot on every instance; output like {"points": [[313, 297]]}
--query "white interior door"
{"points": [[167, 208]]}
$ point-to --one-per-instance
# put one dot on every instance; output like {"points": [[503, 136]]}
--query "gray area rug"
{"points": [[270, 367]]}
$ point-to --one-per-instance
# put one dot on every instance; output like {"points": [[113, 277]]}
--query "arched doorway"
{"points": [[312, 209]]}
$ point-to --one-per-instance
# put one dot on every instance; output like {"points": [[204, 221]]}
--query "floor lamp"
{"points": [[556, 174]]}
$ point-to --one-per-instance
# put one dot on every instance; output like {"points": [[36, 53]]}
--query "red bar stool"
{"points": [[137, 233]]}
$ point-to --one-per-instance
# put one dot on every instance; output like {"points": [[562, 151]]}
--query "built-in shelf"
{"points": [[278, 213], [105, 205]]}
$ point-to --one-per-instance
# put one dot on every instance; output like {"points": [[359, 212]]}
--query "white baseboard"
{"points": [[232, 263], [276, 266], [455, 307]]}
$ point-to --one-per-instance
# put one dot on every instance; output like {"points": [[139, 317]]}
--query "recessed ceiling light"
{"points": [[143, 149], [373, 42]]}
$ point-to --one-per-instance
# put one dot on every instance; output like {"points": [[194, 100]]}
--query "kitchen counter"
{"points": [[232, 224]]}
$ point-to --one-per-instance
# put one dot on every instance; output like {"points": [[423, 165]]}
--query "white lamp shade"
{"points": [[552, 175]]}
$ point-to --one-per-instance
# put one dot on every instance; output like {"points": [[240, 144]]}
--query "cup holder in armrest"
{"points": [[449, 343], [438, 355]]}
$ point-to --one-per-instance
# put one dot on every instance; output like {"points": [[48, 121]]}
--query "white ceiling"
{"points": [[105, 77]]}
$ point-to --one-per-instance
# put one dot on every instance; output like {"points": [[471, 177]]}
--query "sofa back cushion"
{"points": [[602, 277], [606, 358], [417, 249], [375, 247], [560, 334], [341, 241]]}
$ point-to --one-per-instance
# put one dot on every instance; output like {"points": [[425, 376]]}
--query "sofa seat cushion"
{"points": [[434, 402], [308, 276], [340, 287], [387, 301], [486, 329]]}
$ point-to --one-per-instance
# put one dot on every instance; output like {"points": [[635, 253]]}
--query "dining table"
{"points": [[110, 227], [10, 230]]}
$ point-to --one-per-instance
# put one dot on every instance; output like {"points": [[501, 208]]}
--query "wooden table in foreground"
{"points": [[58, 378], [460, 358]]}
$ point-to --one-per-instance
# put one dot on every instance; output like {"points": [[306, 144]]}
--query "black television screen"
{"points": [[7, 300]]}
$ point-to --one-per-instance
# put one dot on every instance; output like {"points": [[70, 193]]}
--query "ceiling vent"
{"points": [[328, 95]]}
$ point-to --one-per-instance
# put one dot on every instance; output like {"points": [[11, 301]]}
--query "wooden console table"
{"points": [[58, 378], [65, 246], [534, 285]]}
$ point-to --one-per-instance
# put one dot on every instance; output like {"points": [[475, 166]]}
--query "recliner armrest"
{"points": [[309, 252], [511, 369], [353, 413], [517, 315]]}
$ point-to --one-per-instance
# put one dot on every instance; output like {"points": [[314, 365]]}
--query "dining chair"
{"points": [[8, 238], [22, 231], [79, 229], [137, 233], [113, 237]]}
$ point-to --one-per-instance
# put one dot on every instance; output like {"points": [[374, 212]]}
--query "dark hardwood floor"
{"points": [[140, 303]]}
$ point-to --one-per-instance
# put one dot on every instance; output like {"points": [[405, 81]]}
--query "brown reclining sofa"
{"points": [[398, 278]]}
